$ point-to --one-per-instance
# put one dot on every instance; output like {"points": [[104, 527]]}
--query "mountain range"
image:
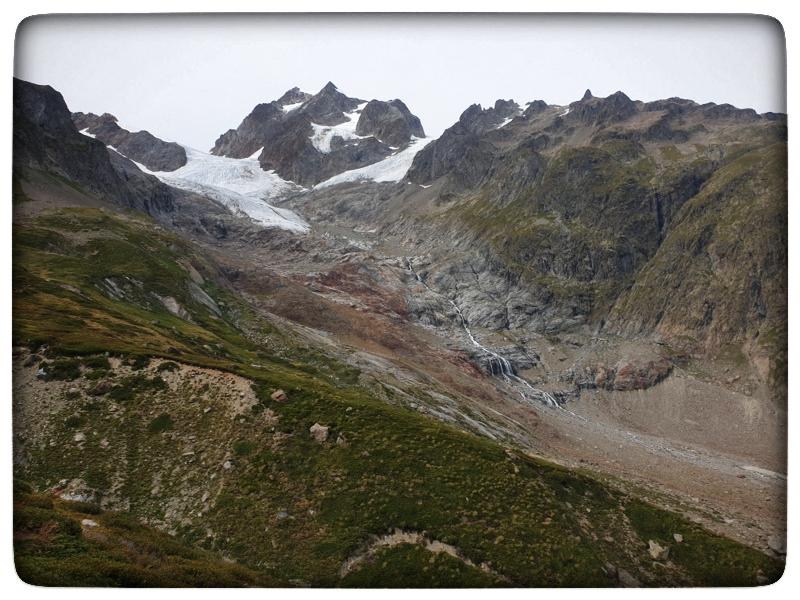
{"points": [[547, 347]]}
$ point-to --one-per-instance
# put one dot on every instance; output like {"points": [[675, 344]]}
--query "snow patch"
{"points": [[505, 122], [565, 113], [323, 134], [87, 134], [256, 154], [391, 168], [290, 107]]}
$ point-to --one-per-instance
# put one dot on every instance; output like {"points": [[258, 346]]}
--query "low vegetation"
{"points": [[286, 507]]}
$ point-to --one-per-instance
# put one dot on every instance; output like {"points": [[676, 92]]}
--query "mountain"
{"points": [[141, 146], [588, 202], [538, 350], [46, 141], [309, 138]]}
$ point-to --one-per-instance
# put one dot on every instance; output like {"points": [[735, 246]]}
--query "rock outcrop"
{"points": [[140, 146], [390, 122], [46, 139]]}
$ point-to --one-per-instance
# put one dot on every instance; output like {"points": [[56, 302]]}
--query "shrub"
{"points": [[243, 447], [161, 423], [139, 362], [167, 366], [130, 387], [66, 369], [74, 421], [86, 508]]}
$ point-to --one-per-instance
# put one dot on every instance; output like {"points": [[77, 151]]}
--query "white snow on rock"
{"points": [[324, 134], [86, 133], [565, 113], [505, 122], [391, 168], [239, 184], [290, 107], [256, 154]]}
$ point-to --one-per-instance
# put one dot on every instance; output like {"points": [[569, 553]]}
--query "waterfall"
{"points": [[496, 364]]}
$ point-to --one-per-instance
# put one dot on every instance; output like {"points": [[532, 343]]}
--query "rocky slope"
{"points": [[309, 138], [140, 146], [46, 140], [567, 213]]}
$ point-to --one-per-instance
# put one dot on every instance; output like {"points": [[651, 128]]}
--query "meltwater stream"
{"points": [[498, 365]]}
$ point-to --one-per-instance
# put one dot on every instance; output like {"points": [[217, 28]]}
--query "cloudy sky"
{"points": [[188, 79]]}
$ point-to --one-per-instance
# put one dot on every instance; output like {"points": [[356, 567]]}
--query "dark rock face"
{"points": [[246, 139], [141, 146], [285, 133], [620, 215], [391, 122], [327, 106], [293, 96], [45, 138], [534, 107], [461, 152], [600, 111]]}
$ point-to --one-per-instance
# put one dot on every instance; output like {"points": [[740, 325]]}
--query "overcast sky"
{"points": [[189, 79]]}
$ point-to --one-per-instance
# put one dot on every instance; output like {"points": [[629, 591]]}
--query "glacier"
{"points": [[392, 168], [239, 184]]}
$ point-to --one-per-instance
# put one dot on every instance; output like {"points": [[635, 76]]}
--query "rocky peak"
{"points": [[601, 111], [140, 146], [293, 96], [506, 108], [329, 88], [45, 138], [323, 136], [479, 120], [535, 107], [328, 106], [390, 122], [42, 106], [673, 106]]}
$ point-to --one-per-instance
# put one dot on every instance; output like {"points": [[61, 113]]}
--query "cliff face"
{"points": [[141, 146], [719, 277], [663, 219], [46, 139]]}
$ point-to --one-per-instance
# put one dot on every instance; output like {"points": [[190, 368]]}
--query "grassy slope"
{"points": [[722, 268], [51, 548], [534, 523]]}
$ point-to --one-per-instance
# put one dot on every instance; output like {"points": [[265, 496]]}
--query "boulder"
{"points": [[777, 543], [657, 551], [640, 375], [319, 432], [627, 580], [678, 537], [279, 396], [32, 360], [100, 388]]}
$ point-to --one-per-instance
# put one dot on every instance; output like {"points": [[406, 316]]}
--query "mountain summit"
{"points": [[309, 138]]}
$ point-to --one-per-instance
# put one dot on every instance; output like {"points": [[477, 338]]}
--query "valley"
{"points": [[536, 350]]}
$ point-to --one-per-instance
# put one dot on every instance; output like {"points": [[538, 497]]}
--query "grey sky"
{"points": [[189, 79]]}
